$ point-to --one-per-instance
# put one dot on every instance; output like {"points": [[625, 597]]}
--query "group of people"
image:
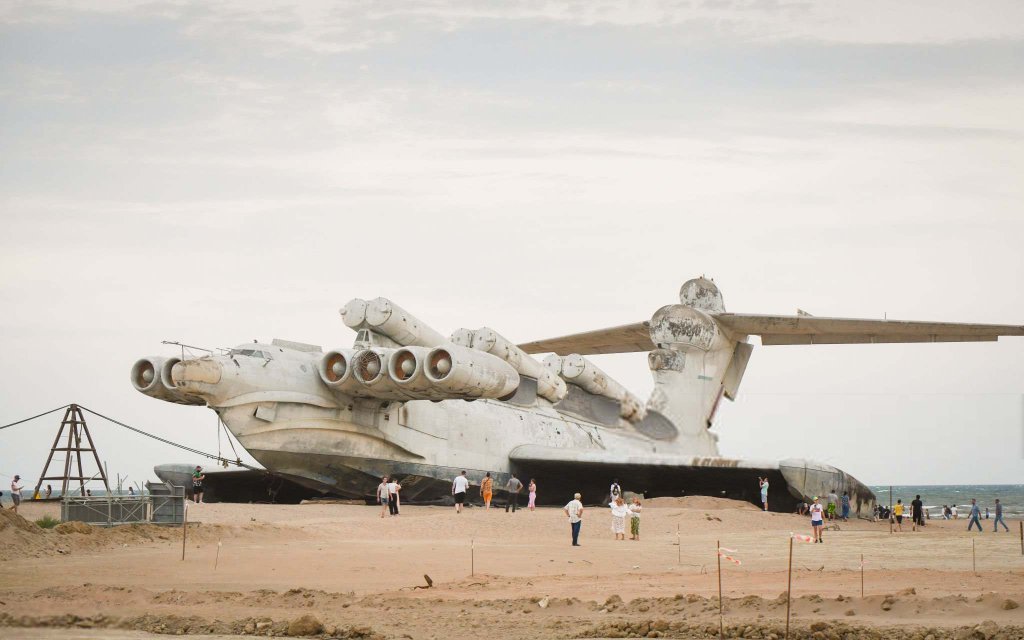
{"points": [[514, 486], [387, 496], [621, 512], [918, 514]]}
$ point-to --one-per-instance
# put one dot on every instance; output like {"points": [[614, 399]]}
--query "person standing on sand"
{"points": [[383, 495], [614, 492], [898, 512], [764, 491], [817, 519], [999, 518], [459, 487], [574, 511], [49, 491], [16, 493], [634, 518], [833, 502], [917, 512], [197, 484], [393, 489], [975, 515], [513, 487], [619, 514], [532, 505], [845, 501], [487, 490]]}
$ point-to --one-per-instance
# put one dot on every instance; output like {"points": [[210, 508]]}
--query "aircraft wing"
{"points": [[782, 330], [805, 329], [628, 338]]}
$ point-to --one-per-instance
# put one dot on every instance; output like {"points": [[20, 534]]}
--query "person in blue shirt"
{"points": [[975, 515], [845, 500], [999, 517]]}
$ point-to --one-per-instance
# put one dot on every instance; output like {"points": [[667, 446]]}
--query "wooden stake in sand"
{"points": [[472, 557], [862, 576], [721, 622], [974, 558], [1022, 538], [216, 558], [890, 509], [184, 528], [679, 546], [789, 585]]}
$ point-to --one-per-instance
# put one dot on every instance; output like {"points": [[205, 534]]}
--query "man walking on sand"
{"points": [[999, 518], [975, 515], [513, 487], [16, 492], [459, 487], [574, 511], [383, 495], [917, 512]]}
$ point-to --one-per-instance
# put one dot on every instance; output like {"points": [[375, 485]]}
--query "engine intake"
{"points": [[152, 376], [470, 373]]}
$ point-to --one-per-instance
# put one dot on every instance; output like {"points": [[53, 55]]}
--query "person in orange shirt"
{"points": [[487, 490]]}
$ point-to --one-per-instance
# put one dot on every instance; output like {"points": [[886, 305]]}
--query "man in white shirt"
{"points": [[574, 511], [459, 487], [383, 495], [16, 492], [393, 488]]}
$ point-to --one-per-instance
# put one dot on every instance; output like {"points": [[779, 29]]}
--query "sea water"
{"points": [[935, 495]]}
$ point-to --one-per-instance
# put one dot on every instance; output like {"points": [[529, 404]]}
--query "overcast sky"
{"points": [[218, 172]]}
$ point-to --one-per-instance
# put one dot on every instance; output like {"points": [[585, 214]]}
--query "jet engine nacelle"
{"points": [[152, 376], [470, 373], [404, 374]]}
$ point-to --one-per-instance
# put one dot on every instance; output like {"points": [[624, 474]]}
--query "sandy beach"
{"points": [[334, 570]]}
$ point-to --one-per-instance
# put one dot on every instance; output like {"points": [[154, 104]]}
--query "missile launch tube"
{"points": [[549, 385], [584, 373], [353, 314], [386, 317]]}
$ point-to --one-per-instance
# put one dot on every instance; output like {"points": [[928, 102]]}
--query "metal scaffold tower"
{"points": [[77, 430]]}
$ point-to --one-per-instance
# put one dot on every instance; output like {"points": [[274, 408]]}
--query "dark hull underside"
{"points": [[304, 476]]}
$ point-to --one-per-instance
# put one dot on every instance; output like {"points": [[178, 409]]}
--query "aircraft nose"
{"points": [[203, 370]]}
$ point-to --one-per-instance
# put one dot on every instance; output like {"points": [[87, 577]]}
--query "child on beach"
{"points": [[533, 495], [817, 519], [634, 518]]}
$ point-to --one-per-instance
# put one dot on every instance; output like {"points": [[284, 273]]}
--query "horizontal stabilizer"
{"points": [[781, 330], [628, 338], [803, 329]]}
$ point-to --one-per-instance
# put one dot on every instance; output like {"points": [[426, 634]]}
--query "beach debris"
{"points": [[305, 625], [1009, 604], [543, 603]]}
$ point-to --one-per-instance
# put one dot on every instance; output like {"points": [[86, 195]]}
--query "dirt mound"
{"points": [[21, 538], [10, 519], [303, 626], [700, 502], [65, 528]]}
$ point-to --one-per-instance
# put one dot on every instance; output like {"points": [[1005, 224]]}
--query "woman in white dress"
{"points": [[619, 514]]}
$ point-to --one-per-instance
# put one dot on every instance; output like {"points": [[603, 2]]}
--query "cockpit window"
{"points": [[253, 353]]}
